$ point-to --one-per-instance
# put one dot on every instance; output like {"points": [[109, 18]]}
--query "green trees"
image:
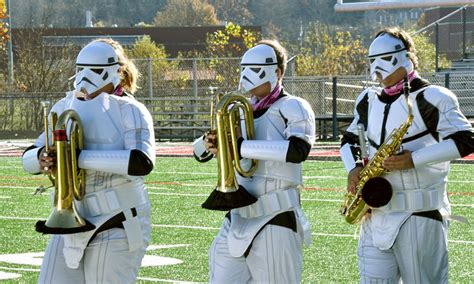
{"points": [[188, 13], [226, 42], [426, 53], [329, 53]]}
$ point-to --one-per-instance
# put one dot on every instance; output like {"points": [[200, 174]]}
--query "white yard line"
{"points": [[19, 187], [461, 242], [356, 237], [178, 194], [322, 200], [182, 184], [19, 269], [333, 235], [185, 227], [187, 173], [164, 280], [156, 247], [19, 218], [324, 177], [462, 205]]}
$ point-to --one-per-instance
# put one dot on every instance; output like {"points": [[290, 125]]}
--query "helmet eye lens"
{"points": [[371, 60], [79, 69], [97, 70], [387, 58], [256, 70]]}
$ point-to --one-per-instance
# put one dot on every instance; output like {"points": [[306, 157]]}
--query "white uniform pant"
{"points": [[275, 257], [418, 255], [106, 259]]}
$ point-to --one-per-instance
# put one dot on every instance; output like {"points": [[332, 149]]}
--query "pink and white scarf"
{"points": [[268, 100], [398, 87], [118, 91]]}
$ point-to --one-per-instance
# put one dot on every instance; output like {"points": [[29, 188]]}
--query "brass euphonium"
{"points": [[373, 190], [69, 180], [228, 194]]}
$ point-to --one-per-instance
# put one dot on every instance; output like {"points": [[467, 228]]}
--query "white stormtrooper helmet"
{"points": [[387, 54], [258, 66], [96, 66]]}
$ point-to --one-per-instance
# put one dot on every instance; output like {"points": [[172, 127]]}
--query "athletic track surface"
{"points": [[321, 151]]}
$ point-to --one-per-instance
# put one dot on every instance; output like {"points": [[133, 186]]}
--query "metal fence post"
{"points": [[436, 47], [195, 91], [150, 78], [446, 80], [290, 73], [335, 133], [464, 32], [10, 43]]}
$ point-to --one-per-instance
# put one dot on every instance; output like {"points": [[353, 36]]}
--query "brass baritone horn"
{"points": [[69, 181], [229, 194]]}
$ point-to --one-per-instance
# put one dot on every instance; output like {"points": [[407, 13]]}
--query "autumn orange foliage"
{"points": [[3, 24]]}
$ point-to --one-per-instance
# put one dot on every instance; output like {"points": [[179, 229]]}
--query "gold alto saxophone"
{"points": [[372, 190]]}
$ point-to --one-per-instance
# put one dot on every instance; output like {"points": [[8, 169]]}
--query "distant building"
{"points": [[393, 17], [452, 30], [174, 39]]}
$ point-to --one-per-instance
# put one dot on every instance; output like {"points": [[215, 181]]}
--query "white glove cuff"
{"points": [[347, 157], [30, 161], [437, 153], [265, 150], [199, 147], [114, 161]]}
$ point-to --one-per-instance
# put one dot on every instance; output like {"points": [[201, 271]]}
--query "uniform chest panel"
{"points": [[385, 118], [101, 118], [270, 125]]}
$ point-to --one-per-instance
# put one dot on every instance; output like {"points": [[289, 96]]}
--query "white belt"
{"points": [[270, 203], [109, 200], [417, 200]]}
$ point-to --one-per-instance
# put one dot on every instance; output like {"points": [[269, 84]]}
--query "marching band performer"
{"points": [[262, 242], [407, 238], [119, 150]]}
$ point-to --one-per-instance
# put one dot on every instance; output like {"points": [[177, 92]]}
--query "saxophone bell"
{"points": [[377, 192]]}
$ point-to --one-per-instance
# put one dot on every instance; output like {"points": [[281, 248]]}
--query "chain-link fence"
{"points": [[178, 95]]}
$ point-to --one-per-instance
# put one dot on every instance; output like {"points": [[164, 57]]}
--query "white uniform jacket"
{"points": [[439, 133], [113, 127], [276, 182]]}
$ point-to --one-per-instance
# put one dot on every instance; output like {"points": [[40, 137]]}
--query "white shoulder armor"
{"points": [[299, 118], [289, 116], [451, 119], [440, 97], [138, 126]]}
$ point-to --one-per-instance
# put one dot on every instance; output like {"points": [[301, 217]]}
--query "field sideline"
{"points": [[182, 231]]}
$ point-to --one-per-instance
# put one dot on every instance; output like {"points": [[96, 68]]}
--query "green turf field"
{"points": [[182, 231]]}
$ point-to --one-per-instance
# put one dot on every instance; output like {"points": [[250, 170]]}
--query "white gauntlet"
{"points": [[265, 150], [111, 161], [30, 161], [437, 153]]}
